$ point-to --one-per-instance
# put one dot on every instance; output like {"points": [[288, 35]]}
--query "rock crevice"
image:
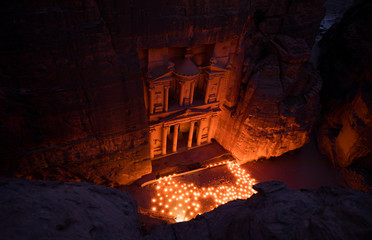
{"points": [[345, 53]]}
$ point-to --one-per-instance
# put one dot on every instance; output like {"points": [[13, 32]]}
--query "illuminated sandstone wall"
{"points": [[72, 102], [278, 103], [277, 96]]}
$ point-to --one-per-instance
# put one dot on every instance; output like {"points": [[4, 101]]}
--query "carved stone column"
{"points": [[164, 140], [166, 98], [151, 142], [219, 90], [206, 97], [211, 127], [191, 133], [199, 133], [192, 92], [181, 93], [175, 137], [151, 102]]}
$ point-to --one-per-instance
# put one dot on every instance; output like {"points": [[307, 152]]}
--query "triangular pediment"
{"points": [[160, 77], [217, 68], [214, 68], [158, 74]]}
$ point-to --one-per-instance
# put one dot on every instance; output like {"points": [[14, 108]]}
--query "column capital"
{"points": [[210, 77]]}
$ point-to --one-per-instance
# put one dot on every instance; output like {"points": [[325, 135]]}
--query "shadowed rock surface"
{"points": [[53, 210], [72, 98], [346, 50], [33, 209], [277, 212]]}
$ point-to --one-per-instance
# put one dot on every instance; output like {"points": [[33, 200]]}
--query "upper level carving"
{"points": [[181, 83]]}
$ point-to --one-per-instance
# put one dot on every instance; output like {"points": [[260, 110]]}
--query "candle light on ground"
{"points": [[185, 200]]}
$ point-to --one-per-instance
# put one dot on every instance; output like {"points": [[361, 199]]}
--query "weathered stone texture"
{"points": [[273, 108], [281, 213], [72, 97], [33, 209], [69, 100], [279, 102], [344, 62]]}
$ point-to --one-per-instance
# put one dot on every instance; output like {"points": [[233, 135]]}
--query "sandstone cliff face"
{"points": [[278, 98], [71, 94], [55, 210], [71, 108], [346, 50]]}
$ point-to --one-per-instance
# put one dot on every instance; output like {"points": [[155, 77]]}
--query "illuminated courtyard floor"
{"points": [[303, 168], [187, 160]]}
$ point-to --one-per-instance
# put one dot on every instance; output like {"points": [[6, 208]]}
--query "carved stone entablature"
{"points": [[189, 115], [197, 126]]}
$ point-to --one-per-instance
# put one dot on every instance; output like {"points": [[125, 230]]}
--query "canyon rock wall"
{"points": [[36, 209], [278, 98], [344, 62], [72, 108], [71, 93]]}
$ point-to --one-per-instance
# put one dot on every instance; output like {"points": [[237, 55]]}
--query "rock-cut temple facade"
{"points": [[122, 84], [182, 98]]}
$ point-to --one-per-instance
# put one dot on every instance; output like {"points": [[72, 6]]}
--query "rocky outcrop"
{"points": [[72, 98], [346, 50], [33, 209], [335, 10], [54, 210], [280, 213], [279, 100]]}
